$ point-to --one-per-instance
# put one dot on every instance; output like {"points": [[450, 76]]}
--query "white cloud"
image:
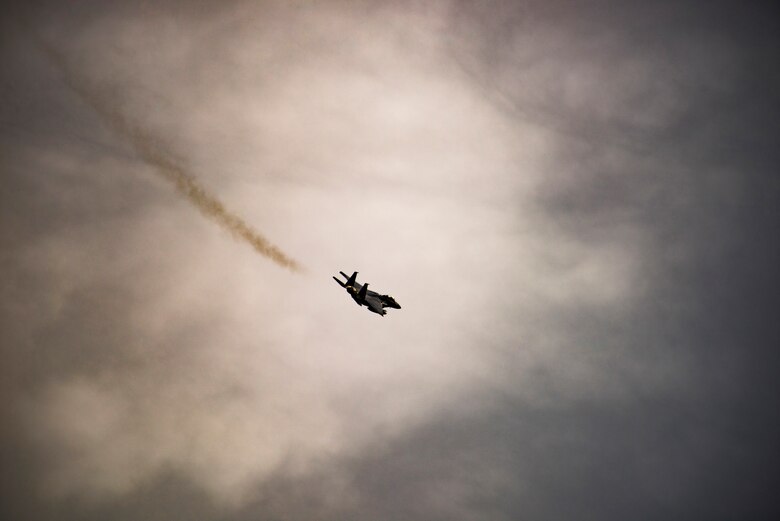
{"points": [[381, 160]]}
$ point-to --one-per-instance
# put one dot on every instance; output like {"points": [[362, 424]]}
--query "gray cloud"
{"points": [[576, 208]]}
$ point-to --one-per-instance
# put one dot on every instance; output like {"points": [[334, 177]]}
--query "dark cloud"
{"points": [[577, 206]]}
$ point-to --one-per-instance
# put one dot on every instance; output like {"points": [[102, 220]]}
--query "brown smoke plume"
{"points": [[149, 149]]}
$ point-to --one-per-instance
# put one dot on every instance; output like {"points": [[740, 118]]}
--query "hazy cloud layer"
{"points": [[575, 205]]}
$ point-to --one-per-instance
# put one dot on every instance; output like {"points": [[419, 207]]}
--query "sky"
{"points": [[575, 204]]}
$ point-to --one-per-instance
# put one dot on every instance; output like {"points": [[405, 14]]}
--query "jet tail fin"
{"points": [[362, 294], [340, 283], [351, 280]]}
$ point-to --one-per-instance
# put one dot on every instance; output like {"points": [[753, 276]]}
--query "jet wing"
{"points": [[374, 304]]}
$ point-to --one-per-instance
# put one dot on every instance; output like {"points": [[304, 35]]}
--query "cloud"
{"points": [[575, 217]]}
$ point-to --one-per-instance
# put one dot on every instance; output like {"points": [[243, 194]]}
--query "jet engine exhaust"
{"points": [[149, 149]]}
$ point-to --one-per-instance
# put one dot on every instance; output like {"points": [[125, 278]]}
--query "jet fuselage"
{"points": [[360, 293]]}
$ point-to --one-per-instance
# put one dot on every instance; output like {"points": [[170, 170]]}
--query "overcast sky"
{"points": [[575, 204]]}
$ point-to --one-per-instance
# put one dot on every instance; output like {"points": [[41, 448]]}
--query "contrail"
{"points": [[150, 150]]}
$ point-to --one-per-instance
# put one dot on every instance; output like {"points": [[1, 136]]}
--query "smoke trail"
{"points": [[150, 150]]}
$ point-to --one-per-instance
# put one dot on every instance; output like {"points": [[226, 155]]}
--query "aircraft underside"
{"points": [[360, 293]]}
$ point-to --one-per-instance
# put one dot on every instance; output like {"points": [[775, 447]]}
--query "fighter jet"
{"points": [[360, 293]]}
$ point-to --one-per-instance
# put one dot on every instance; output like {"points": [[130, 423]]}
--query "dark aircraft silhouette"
{"points": [[365, 297]]}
